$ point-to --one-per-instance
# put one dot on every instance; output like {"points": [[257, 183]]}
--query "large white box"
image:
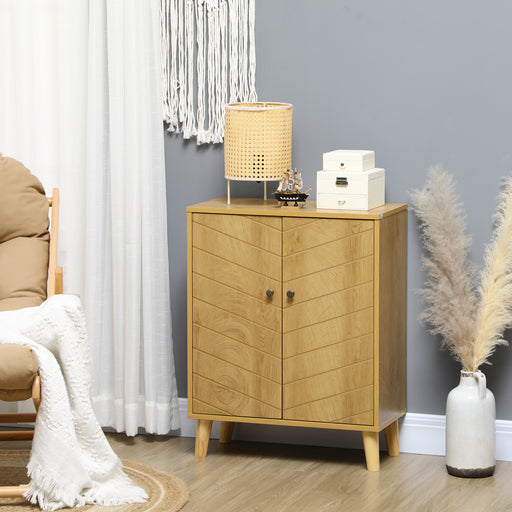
{"points": [[349, 160], [341, 190]]}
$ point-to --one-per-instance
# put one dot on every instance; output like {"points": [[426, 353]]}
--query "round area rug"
{"points": [[167, 493]]}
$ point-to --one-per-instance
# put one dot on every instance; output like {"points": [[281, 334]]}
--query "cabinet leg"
{"points": [[203, 431], [391, 433], [226, 431], [371, 450]]}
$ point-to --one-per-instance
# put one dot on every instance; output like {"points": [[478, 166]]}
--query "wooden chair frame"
{"points": [[55, 286]]}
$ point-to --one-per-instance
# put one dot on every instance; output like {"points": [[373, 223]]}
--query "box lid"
{"points": [[349, 159]]}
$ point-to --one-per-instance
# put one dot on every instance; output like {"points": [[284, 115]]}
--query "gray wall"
{"points": [[420, 83]]}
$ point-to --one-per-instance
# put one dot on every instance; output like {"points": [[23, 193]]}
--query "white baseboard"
{"points": [[419, 433]]}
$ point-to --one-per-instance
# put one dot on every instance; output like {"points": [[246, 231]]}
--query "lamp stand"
{"points": [[229, 190]]}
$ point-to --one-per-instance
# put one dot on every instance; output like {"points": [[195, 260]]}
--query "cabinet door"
{"points": [[236, 325], [328, 267]]}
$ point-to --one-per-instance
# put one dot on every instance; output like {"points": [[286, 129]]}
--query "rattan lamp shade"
{"points": [[257, 141]]}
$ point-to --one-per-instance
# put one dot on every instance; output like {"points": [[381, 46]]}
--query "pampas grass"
{"points": [[470, 317], [495, 308]]}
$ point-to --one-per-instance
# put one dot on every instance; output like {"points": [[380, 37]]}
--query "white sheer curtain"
{"points": [[80, 105]]}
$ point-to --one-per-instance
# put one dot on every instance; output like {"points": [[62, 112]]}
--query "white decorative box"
{"points": [[349, 160], [341, 190]]}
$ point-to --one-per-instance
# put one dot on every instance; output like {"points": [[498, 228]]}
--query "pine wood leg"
{"points": [[226, 431], [391, 433], [371, 450], [36, 392], [203, 431], [13, 492]]}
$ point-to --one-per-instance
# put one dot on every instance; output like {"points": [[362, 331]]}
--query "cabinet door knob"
{"points": [[270, 292], [290, 294]]}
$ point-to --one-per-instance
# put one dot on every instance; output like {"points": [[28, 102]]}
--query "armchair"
{"points": [[28, 275]]}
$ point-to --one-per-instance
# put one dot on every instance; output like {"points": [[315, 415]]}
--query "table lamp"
{"points": [[257, 142]]}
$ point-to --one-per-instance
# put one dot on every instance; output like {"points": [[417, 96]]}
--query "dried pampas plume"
{"points": [[471, 319], [495, 308]]}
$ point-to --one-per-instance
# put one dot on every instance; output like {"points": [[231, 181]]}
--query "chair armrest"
{"points": [[59, 280], [55, 281]]}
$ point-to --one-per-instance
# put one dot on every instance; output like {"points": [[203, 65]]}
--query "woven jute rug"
{"points": [[167, 493]]}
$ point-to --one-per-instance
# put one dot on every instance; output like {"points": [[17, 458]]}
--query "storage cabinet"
{"points": [[297, 317]]}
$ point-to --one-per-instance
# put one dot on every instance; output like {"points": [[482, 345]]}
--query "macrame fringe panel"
{"points": [[222, 34]]}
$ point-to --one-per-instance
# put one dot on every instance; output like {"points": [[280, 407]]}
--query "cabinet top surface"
{"points": [[252, 206]]}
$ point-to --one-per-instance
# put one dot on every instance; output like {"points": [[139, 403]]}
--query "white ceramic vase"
{"points": [[471, 428]]}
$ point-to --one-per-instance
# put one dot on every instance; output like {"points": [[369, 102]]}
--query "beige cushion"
{"points": [[24, 237], [24, 243], [18, 367]]}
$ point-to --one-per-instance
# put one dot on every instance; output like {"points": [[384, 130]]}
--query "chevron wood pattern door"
{"points": [[328, 322], [236, 348]]}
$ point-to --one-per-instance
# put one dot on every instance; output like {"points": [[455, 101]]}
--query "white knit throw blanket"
{"points": [[71, 462]]}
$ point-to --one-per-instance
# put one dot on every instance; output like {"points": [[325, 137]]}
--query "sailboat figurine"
{"points": [[289, 190]]}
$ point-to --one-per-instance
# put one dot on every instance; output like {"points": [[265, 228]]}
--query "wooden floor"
{"points": [[257, 477]]}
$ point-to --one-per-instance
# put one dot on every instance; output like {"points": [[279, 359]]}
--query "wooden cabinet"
{"points": [[297, 317]]}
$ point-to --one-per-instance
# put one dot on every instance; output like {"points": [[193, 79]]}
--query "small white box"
{"points": [[341, 190], [349, 160]]}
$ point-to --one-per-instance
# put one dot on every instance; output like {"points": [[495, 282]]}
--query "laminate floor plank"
{"points": [[261, 477]]}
